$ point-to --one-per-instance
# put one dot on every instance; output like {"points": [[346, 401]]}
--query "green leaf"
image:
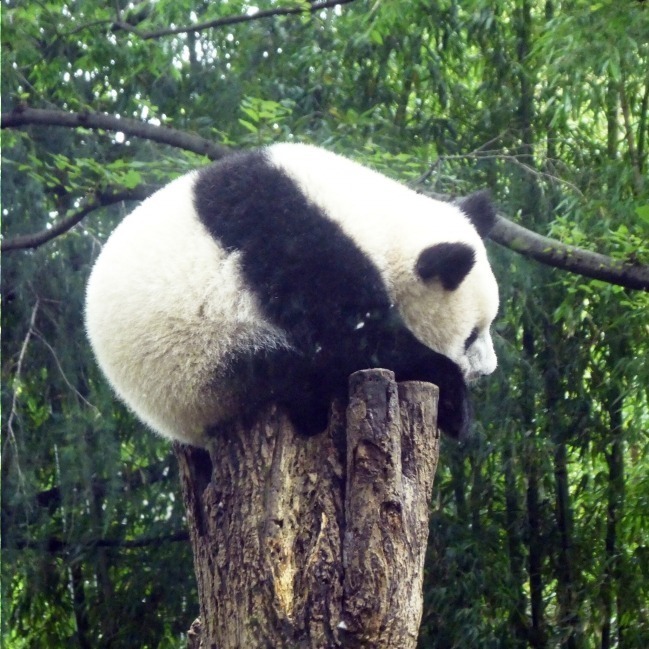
{"points": [[132, 179], [251, 127], [643, 213]]}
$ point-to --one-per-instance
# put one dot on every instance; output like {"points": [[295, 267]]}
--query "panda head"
{"points": [[452, 297]]}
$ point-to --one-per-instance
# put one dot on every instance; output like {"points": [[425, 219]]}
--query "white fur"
{"points": [[165, 303]]}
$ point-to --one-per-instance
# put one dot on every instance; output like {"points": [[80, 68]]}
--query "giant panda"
{"points": [[272, 275]]}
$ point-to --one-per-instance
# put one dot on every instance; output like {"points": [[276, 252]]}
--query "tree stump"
{"points": [[315, 542]]}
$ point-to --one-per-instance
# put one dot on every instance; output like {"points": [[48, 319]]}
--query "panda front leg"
{"points": [[400, 351], [454, 411], [309, 383]]}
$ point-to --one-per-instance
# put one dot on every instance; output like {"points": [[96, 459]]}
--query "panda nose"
{"points": [[483, 361], [490, 361]]}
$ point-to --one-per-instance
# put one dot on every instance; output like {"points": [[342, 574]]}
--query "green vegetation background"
{"points": [[539, 524]]}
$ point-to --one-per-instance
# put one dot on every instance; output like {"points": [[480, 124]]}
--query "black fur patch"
{"points": [[473, 336], [314, 282], [481, 212], [448, 262]]}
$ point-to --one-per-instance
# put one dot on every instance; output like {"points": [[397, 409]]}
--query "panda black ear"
{"points": [[448, 262], [480, 210]]}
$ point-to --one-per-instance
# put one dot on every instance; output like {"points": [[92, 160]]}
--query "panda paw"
{"points": [[454, 413]]}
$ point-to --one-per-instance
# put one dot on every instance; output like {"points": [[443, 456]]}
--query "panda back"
{"points": [[309, 275], [166, 310]]}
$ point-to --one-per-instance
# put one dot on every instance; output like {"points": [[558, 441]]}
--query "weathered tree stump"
{"points": [[315, 541]]}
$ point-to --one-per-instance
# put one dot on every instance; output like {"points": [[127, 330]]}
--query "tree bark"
{"points": [[315, 541]]}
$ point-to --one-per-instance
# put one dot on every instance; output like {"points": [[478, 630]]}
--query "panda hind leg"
{"points": [[283, 377], [306, 396]]}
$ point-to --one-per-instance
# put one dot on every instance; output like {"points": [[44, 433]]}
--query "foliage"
{"points": [[538, 529]]}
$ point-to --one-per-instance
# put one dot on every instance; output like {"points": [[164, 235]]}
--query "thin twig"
{"points": [[11, 440], [40, 336], [498, 155], [628, 131], [230, 20], [103, 199]]}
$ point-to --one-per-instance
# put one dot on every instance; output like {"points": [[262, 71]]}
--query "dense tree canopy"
{"points": [[539, 526]]}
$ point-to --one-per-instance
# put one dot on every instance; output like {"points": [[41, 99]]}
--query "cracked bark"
{"points": [[315, 541]]}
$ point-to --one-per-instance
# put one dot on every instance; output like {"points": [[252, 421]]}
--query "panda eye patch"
{"points": [[471, 339]]}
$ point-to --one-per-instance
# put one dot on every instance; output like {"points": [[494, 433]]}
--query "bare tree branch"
{"points": [[513, 236], [23, 115], [562, 255], [103, 199], [576, 260], [231, 20]]}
